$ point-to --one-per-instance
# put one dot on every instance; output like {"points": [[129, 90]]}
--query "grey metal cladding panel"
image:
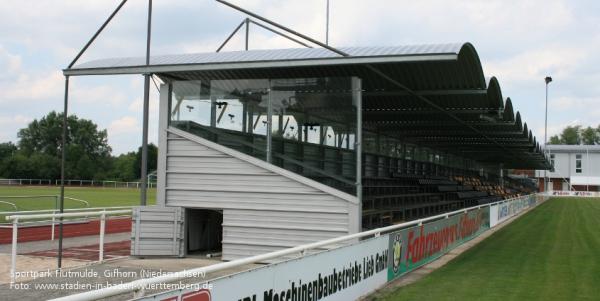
{"points": [[282, 241], [185, 147], [262, 234], [227, 182], [157, 231], [251, 232], [207, 162], [245, 200], [279, 219], [259, 180], [273, 55], [274, 237], [235, 251]]}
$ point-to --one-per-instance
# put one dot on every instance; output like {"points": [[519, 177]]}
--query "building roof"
{"points": [[573, 148], [267, 59], [449, 76]]}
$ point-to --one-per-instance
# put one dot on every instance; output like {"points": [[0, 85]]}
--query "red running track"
{"points": [[90, 252], [92, 227]]}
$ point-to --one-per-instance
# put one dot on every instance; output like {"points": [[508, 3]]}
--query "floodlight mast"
{"points": [[548, 80]]}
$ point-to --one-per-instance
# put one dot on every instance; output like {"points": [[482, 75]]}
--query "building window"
{"points": [[552, 160], [578, 168]]}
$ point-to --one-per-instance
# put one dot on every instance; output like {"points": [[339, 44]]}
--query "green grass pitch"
{"points": [[550, 253], [96, 196]]}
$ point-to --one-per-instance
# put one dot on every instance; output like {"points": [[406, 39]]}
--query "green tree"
{"points": [[39, 153], [17, 166], [45, 136], [554, 140], [570, 135], [124, 167], [7, 149], [590, 136]]}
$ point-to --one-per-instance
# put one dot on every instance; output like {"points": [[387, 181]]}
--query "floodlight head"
{"points": [[548, 79]]}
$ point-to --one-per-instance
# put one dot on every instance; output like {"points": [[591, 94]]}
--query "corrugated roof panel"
{"points": [[271, 55]]}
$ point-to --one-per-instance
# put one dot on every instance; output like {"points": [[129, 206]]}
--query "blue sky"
{"points": [[520, 42]]}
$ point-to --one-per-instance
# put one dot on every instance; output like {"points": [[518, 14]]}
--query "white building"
{"points": [[576, 167]]}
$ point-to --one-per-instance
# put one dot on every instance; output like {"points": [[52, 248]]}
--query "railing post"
{"points": [[13, 259], [53, 221], [101, 244]]}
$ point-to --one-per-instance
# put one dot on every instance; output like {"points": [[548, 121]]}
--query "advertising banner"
{"points": [[345, 273], [588, 194], [501, 212], [413, 247], [494, 215]]}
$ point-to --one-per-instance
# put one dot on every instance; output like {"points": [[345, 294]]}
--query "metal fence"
{"points": [[82, 183], [18, 218]]}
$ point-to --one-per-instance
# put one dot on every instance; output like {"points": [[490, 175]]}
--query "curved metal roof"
{"points": [[449, 76]]}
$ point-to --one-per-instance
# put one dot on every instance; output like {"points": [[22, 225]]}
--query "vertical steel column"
{"points": [[144, 173], [247, 32], [327, 25], [62, 171], [548, 80], [587, 162], [13, 257], [213, 111], [101, 242], [269, 123], [357, 101], [244, 116]]}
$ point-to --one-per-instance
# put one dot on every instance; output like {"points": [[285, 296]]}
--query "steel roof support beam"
{"points": [[146, 110], [87, 45], [247, 22], [231, 35]]}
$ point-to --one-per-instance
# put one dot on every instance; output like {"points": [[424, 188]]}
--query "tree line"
{"points": [[37, 154], [576, 135]]}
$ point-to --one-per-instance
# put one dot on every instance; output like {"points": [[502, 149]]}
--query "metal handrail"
{"points": [[138, 285], [66, 210], [15, 230], [68, 214]]}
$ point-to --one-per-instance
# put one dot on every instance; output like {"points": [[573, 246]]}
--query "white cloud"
{"points": [[574, 103], [10, 124], [104, 94], [124, 125], [34, 86], [138, 105], [535, 64], [9, 63]]}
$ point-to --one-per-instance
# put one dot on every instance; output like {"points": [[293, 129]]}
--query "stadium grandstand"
{"points": [[261, 150]]}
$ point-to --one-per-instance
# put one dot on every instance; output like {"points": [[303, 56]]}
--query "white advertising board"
{"points": [[493, 215], [588, 194], [501, 212], [346, 273]]}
